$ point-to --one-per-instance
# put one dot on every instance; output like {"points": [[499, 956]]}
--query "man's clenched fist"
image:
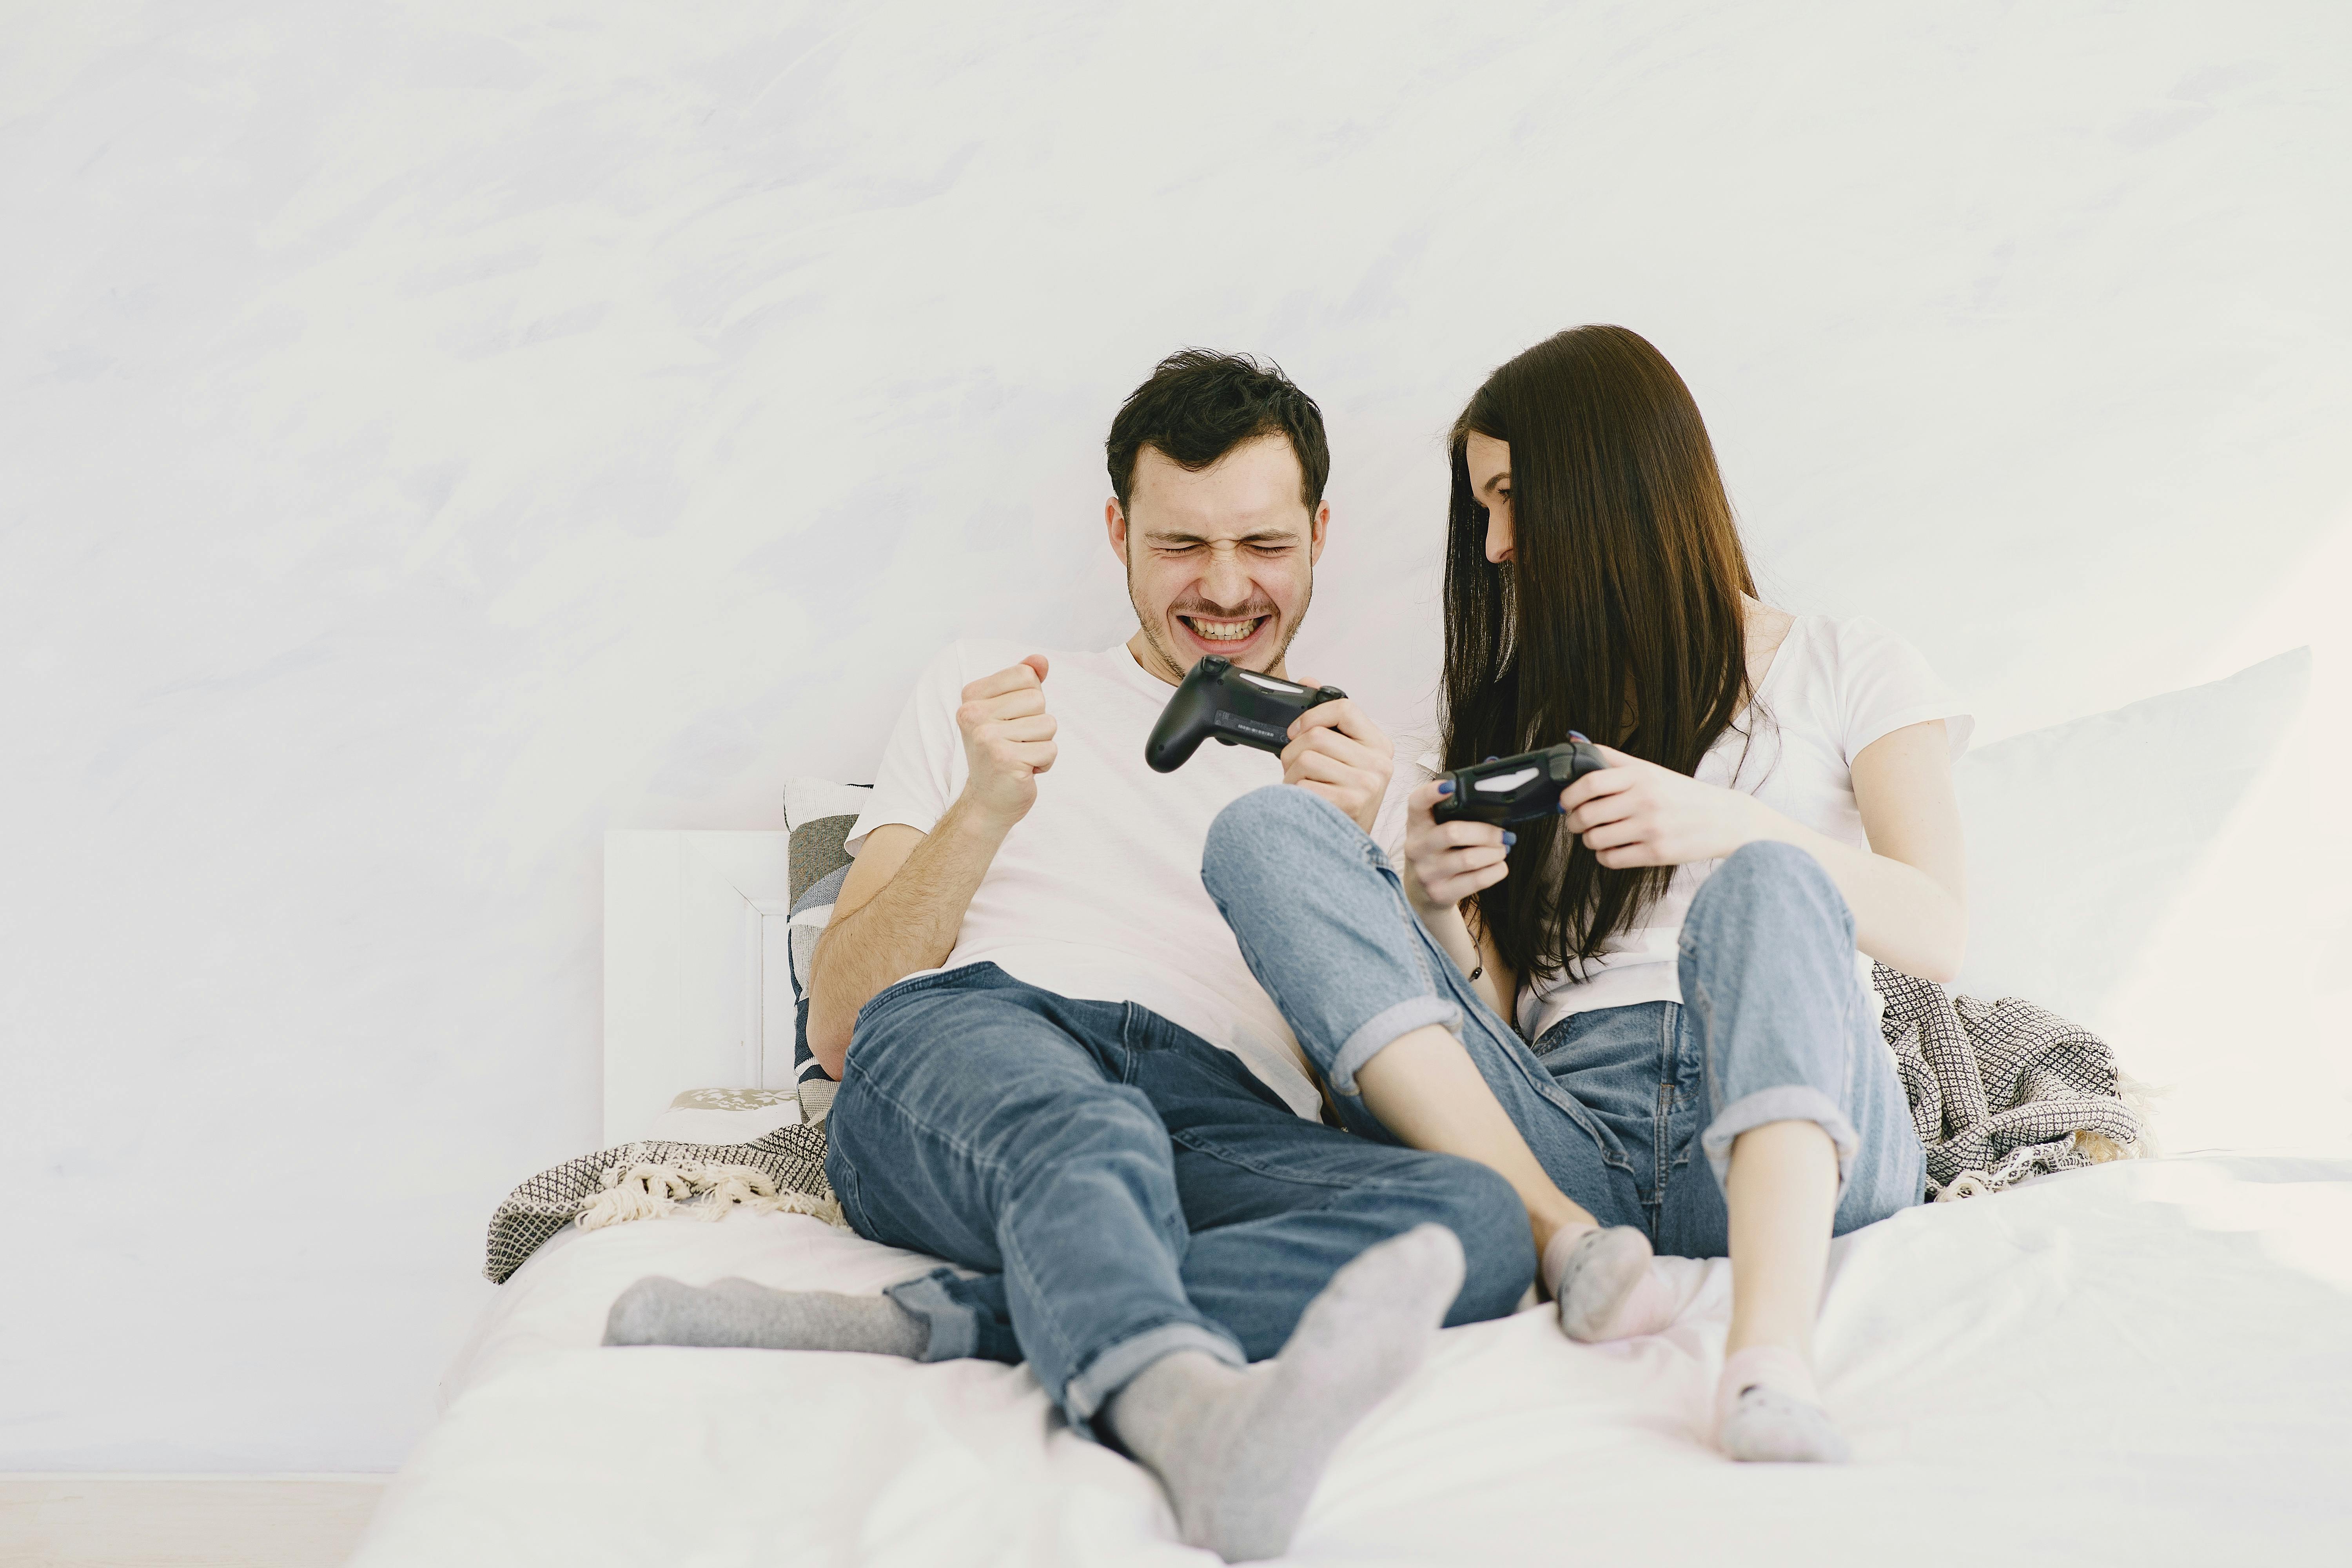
{"points": [[1008, 740]]}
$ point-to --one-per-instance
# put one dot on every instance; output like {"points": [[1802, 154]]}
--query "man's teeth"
{"points": [[1223, 631]]}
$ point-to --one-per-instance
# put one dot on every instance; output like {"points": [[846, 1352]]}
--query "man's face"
{"points": [[1222, 561]]}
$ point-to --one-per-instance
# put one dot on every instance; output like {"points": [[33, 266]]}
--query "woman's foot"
{"points": [[1604, 1285], [1768, 1410]]}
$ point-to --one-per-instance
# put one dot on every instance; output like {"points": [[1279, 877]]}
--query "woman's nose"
{"points": [[1499, 535]]}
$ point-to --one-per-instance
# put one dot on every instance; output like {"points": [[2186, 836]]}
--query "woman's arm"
{"points": [[1446, 863], [1908, 891], [1910, 894]]}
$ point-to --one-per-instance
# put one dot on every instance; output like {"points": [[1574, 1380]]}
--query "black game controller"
{"points": [[1517, 789], [1239, 707]]}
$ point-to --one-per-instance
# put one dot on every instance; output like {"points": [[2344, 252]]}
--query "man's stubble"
{"points": [[1158, 644]]}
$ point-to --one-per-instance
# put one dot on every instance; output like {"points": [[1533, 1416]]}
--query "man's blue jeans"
{"points": [[1776, 1025], [1114, 1188]]}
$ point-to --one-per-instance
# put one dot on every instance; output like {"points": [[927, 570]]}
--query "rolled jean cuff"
{"points": [[954, 1325], [1085, 1395], [1786, 1103], [1376, 1033]]}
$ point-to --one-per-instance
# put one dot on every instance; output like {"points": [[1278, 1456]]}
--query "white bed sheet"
{"points": [[2146, 1362]]}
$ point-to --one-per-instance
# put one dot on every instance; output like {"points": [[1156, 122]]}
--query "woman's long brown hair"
{"points": [[1618, 615]]}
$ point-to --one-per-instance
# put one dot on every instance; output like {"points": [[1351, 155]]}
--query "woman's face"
{"points": [[1490, 481]]}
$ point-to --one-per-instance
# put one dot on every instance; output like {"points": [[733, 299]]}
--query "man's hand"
{"points": [[1338, 753], [1633, 813], [1008, 740]]}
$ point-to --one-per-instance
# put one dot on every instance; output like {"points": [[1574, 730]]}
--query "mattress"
{"points": [[2144, 1362]]}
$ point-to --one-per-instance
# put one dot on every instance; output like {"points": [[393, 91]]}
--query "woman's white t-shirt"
{"points": [[1834, 686]]}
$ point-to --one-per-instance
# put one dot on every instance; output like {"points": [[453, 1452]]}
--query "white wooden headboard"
{"points": [[697, 992]]}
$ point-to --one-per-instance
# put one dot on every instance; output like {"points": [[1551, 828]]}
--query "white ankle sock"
{"points": [[1604, 1285], [1767, 1409]]}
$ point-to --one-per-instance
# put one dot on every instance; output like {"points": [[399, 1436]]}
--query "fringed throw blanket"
{"points": [[781, 1172], [1999, 1092], [2002, 1090]]}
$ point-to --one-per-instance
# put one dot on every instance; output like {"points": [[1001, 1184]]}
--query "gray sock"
{"points": [[1239, 1450], [740, 1314]]}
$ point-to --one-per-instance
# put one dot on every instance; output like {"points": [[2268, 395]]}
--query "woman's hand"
{"points": [[1445, 862], [1633, 813]]}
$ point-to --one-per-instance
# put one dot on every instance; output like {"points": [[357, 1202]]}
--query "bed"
{"points": [[2148, 1361], [2144, 1362]]}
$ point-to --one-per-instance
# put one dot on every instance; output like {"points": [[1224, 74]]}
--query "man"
{"points": [[1058, 1071]]}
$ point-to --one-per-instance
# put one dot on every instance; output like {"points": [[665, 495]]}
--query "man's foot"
{"points": [[1768, 1410], [739, 1314], [1239, 1449], [1605, 1286]]}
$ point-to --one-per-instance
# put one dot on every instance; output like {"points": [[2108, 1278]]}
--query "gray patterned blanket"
{"points": [[1999, 1092], [789, 1160], [2002, 1090]]}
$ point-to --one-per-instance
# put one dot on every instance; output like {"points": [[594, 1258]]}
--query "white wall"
{"points": [[435, 434]]}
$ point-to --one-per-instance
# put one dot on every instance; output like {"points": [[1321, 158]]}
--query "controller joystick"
{"points": [[1219, 699], [1504, 790]]}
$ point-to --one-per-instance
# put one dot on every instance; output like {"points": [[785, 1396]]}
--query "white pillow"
{"points": [[2080, 835], [725, 1115]]}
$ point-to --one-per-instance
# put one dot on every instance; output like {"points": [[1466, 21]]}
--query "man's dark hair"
{"points": [[1199, 405]]}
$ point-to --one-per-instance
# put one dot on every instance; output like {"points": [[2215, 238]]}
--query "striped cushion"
{"points": [[819, 813]]}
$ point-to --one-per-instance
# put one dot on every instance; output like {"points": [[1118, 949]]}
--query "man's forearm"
{"points": [[910, 924]]}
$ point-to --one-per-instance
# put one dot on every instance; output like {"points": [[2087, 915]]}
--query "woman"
{"points": [[1687, 944]]}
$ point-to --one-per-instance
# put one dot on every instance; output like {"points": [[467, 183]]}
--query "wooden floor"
{"points": [[183, 1521]]}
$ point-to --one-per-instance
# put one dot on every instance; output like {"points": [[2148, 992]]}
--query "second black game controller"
{"points": [[1504, 790], [1219, 699]]}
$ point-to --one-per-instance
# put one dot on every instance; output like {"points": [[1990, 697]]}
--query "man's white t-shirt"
{"points": [[1834, 686], [1096, 893]]}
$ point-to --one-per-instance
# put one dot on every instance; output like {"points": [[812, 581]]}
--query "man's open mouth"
{"points": [[1224, 629]]}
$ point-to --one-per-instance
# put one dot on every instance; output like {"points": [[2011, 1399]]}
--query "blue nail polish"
{"points": [[1493, 759], [1510, 838], [1445, 786]]}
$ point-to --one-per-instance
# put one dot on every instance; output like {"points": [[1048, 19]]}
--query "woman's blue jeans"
{"points": [[1776, 1025]]}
